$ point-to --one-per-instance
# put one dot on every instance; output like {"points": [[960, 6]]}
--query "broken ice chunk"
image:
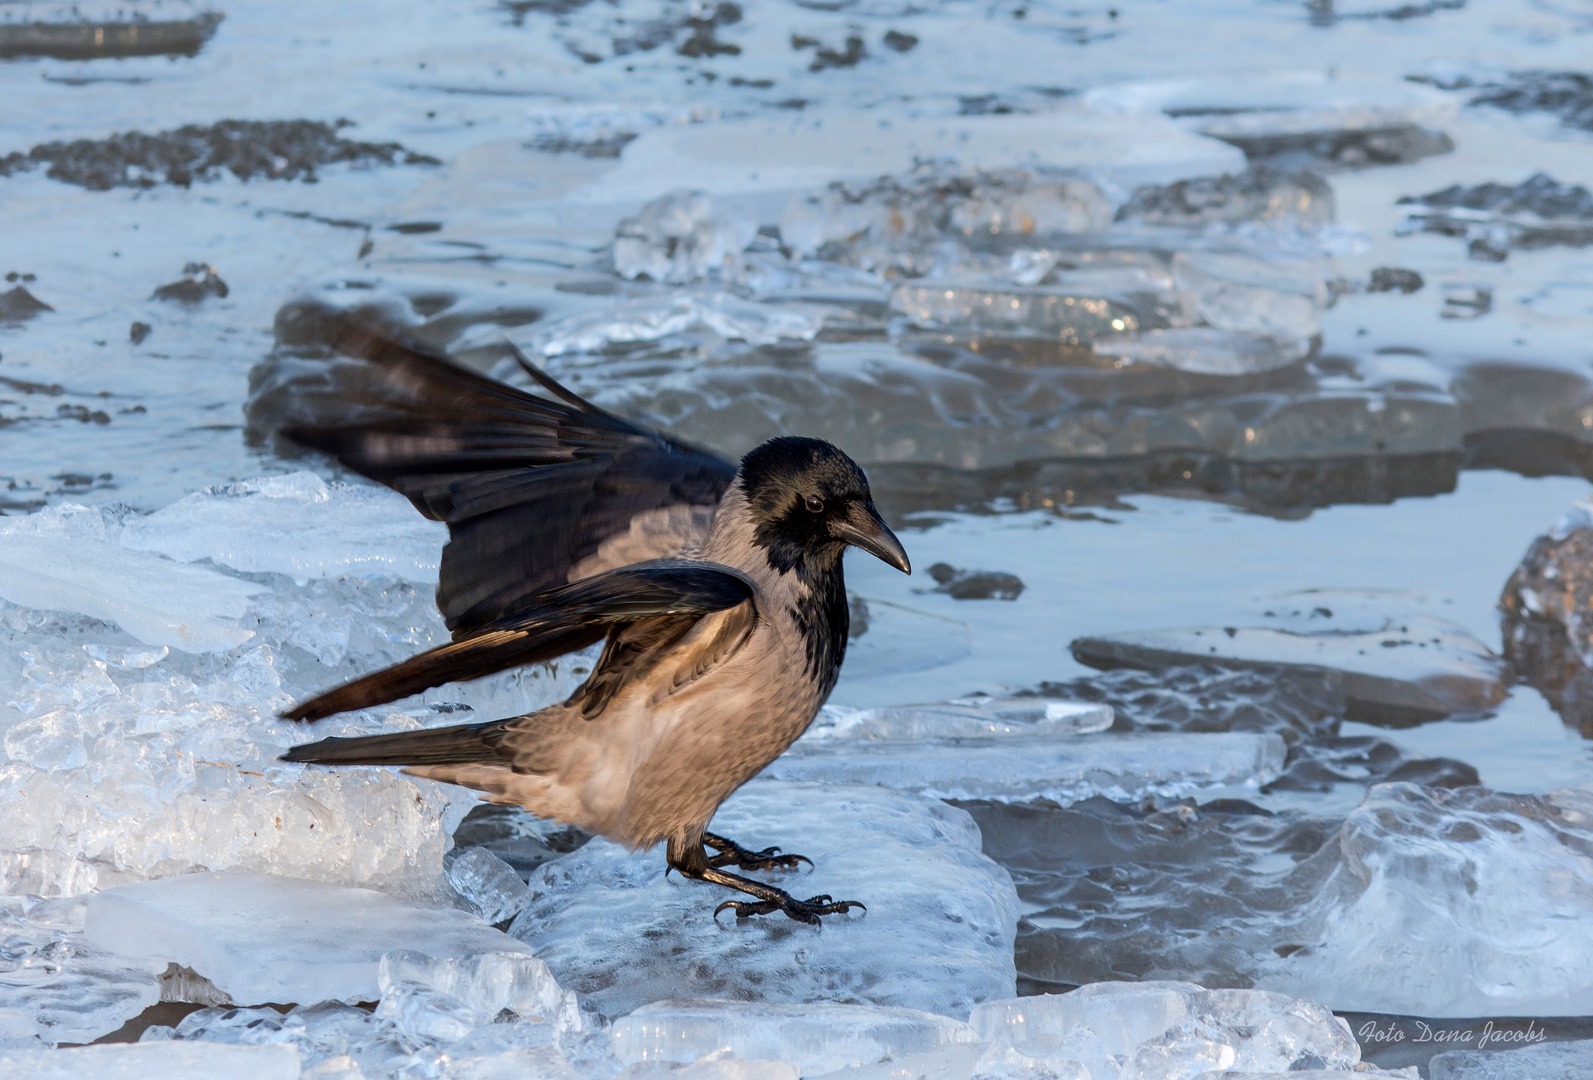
{"points": [[961, 719], [61, 559], [1122, 767], [142, 1061], [272, 939], [1203, 350], [818, 1038], [1166, 1029], [1050, 313], [651, 319], [1257, 296], [616, 930], [680, 237], [1450, 903], [1420, 669], [297, 525], [487, 883], [445, 1000], [1254, 195]]}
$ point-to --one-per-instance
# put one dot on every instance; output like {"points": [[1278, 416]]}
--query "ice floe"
{"points": [[1119, 766], [167, 1060], [937, 934], [1421, 666], [262, 939], [1547, 1061]]}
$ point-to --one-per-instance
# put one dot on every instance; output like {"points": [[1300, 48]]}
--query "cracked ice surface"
{"points": [[937, 935]]}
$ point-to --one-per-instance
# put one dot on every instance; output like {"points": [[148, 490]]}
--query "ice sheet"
{"points": [[273, 939], [937, 934], [1449, 903], [1421, 665], [167, 1060], [1549, 1061], [1136, 1031], [1123, 767], [62, 560], [297, 525], [817, 1038]]}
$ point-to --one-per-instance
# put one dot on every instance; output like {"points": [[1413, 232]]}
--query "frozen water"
{"points": [[777, 156], [1449, 903], [55, 986], [1204, 350], [647, 320], [1123, 767], [297, 525], [818, 1038], [1136, 1031], [970, 717], [1051, 314], [64, 560], [680, 237], [1251, 295], [273, 939], [1420, 666], [447, 999], [487, 883], [166, 1060], [937, 934], [1548, 1061]]}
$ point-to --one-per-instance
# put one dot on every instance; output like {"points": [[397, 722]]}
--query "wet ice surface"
{"points": [[924, 255]]}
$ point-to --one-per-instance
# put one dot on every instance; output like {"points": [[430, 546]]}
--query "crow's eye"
{"points": [[815, 504]]}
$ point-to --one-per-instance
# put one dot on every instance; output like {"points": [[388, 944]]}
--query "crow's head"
{"points": [[808, 501]]}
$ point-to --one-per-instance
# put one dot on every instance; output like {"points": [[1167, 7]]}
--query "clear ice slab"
{"points": [[1419, 667], [265, 939], [818, 1038], [1140, 1031], [1122, 767], [937, 935]]}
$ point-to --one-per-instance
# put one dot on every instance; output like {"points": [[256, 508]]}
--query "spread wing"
{"points": [[642, 610], [535, 492]]}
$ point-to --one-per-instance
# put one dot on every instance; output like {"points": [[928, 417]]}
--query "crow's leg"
{"points": [[691, 859], [733, 854]]}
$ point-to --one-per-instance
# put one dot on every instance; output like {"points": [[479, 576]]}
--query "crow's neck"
{"points": [[822, 615]]}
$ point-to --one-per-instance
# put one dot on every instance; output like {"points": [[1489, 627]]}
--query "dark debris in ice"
{"points": [[1566, 94], [975, 584], [198, 282], [1394, 279], [17, 305], [1257, 194], [1326, 12], [1494, 219], [87, 39], [1352, 148], [248, 149]]}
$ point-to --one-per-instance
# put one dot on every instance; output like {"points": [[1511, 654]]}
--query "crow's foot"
{"points": [[807, 911], [731, 853]]}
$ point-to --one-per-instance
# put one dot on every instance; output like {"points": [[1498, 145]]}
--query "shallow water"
{"points": [[1417, 450]]}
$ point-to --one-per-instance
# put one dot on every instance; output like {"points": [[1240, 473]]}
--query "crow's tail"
{"points": [[463, 744]]}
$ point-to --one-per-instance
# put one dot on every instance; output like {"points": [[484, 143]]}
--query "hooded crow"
{"points": [[716, 590]]}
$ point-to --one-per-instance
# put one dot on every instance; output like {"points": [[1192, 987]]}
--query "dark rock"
{"points": [[975, 584], [132, 35], [1548, 636], [702, 44], [17, 304], [249, 149], [1324, 13], [607, 146], [1466, 301], [897, 41], [199, 281], [138, 332], [827, 56], [522, 841], [1394, 279]]}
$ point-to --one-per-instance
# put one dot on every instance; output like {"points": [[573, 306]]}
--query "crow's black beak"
{"points": [[864, 528]]}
